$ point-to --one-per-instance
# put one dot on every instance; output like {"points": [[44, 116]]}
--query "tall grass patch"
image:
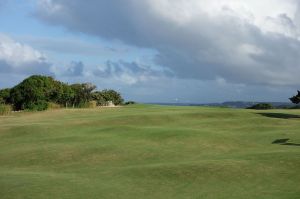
{"points": [[90, 104], [5, 109], [53, 106]]}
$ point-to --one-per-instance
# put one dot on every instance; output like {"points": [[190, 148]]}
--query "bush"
{"points": [[261, 106], [5, 109]]}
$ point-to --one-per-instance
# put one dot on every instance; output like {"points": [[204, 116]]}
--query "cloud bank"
{"points": [[130, 72], [247, 42]]}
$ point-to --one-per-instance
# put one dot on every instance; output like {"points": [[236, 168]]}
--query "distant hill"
{"points": [[242, 104], [232, 104]]}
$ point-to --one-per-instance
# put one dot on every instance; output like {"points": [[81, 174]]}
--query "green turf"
{"points": [[150, 152]]}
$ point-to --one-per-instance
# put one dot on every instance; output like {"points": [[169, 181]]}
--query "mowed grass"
{"points": [[150, 151]]}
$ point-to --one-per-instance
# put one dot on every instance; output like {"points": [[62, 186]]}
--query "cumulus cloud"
{"points": [[246, 41], [19, 58]]}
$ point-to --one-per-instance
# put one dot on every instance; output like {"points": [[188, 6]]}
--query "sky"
{"points": [[179, 51]]}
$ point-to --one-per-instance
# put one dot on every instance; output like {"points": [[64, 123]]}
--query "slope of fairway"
{"points": [[148, 152]]}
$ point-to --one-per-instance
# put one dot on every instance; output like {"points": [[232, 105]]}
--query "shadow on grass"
{"points": [[291, 144], [284, 142], [280, 115]]}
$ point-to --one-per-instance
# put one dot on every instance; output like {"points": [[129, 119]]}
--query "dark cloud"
{"points": [[130, 72], [197, 45]]}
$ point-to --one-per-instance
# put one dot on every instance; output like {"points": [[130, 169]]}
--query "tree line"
{"points": [[37, 92]]}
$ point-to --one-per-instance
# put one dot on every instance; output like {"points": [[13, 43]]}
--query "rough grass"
{"points": [[5, 109], [150, 152]]}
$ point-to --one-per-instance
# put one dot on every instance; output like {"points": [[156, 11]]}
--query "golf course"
{"points": [[150, 151]]}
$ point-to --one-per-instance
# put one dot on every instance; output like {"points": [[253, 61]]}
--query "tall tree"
{"points": [[296, 99], [99, 98], [82, 93], [114, 96]]}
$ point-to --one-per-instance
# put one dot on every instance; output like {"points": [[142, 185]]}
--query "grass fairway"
{"points": [[148, 152]]}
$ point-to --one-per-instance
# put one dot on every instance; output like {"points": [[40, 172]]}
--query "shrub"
{"points": [[5, 109], [261, 106]]}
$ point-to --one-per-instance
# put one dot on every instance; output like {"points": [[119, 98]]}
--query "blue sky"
{"points": [[192, 51]]}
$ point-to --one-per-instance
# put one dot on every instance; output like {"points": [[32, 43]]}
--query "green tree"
{"points": [[5, 96], [114, 96], [99, 98], [67, 95], [82, 93], [296, 99], [33, 93]]}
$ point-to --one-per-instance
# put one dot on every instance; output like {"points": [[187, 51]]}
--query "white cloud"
{"points": [[21, 58]]}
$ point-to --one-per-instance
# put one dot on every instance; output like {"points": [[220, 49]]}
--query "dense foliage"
{"points": [[111, 95], [261, 106], [105, 96], [5, 96], [34, 93], [39, 92], [296, 99]]}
